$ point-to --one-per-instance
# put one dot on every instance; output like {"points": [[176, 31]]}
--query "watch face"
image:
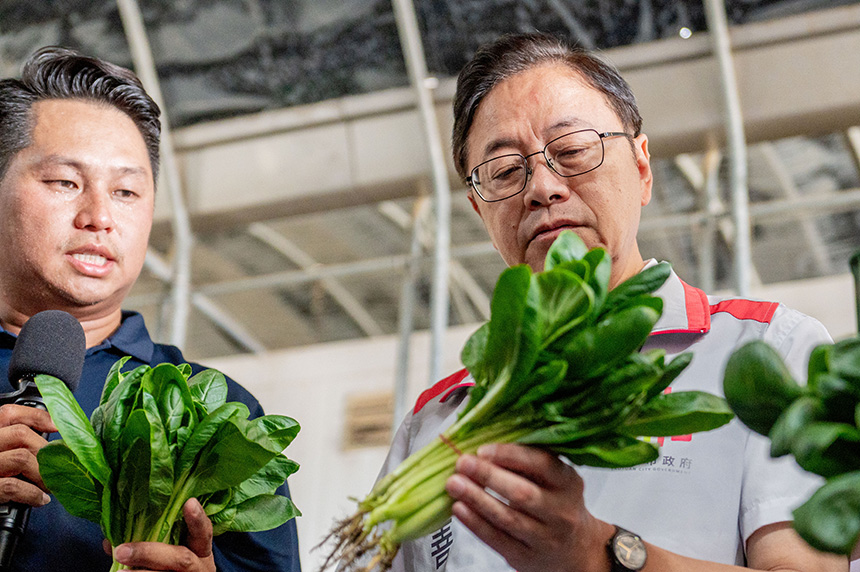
{"points": [[630, 550]]}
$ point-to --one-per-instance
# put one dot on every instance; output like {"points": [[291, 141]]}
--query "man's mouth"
{"points": [[93, 259], [553, 231]]}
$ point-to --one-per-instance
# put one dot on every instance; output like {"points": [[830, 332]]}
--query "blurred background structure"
{"points": [[302, 244]]}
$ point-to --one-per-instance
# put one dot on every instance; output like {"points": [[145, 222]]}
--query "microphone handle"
{"points": [[14, 516]]}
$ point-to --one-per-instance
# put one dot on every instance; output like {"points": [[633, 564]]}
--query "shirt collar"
{"points": [[131, 338], [685, 308]]}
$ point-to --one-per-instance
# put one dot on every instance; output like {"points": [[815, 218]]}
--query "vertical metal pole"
{"points": [[141, 54], [407, 313], [715, 13], [712, 209], [854, 263], [416, 64]]}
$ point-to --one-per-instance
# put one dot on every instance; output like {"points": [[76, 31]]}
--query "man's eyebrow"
{"points": [[49, 160], [507, 142]]}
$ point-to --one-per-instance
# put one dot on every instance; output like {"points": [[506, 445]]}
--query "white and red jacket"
{"points": [[706, 493]]}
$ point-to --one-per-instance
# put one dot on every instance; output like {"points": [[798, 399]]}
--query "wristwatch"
{"points": [[626, 551]]}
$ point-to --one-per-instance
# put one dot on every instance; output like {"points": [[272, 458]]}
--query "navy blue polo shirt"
{"points": [[56, 541]]}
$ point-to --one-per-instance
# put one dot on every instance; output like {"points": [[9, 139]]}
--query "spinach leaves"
{"points": [[159, 437], [818, 424], [557, 366]]}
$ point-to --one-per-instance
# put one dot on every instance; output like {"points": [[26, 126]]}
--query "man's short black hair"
{"points": [[515, 53], [60, 73]]}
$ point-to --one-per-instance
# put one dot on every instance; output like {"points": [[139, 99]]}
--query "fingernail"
{"points": [[455, 486], [466, 463], [45, 499], [122, 553], [486, 450]]}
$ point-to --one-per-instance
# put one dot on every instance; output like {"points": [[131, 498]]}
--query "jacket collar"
{"points": [[685, 308]]}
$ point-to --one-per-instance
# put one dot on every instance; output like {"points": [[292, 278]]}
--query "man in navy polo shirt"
{"points": [[78, 163]]}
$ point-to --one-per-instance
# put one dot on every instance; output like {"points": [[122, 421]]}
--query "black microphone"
{"points": [[53, 343]]}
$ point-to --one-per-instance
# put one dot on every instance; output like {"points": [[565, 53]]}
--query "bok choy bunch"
{"points": [[158, 438], [818, 424], [558, 367]]}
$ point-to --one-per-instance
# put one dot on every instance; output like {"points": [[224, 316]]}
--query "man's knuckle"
{"points": [[6, 412], [9, 487], [186, 560], [522, 495]]}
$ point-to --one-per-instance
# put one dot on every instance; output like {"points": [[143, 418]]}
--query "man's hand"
{"points": [[20, 439], [195, 556], [542, 524]]}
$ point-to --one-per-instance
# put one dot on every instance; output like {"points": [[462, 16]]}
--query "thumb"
{"points": [[199, 539]]}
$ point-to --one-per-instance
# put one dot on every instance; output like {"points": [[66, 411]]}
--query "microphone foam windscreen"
{"points": [[53, 343]]}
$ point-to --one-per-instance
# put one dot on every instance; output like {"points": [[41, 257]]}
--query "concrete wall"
{"points": [[313, 383]]}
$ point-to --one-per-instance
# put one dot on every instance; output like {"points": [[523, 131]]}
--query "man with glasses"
{"points": [[548, 139]]}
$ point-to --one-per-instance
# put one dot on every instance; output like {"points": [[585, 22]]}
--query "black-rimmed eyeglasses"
{"points": [[570, 155]]}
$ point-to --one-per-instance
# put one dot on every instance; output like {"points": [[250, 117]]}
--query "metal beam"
{"points": [[144, 64], [335, 289], [790, 191], [416, 65], [715, 14], [231, 327]]}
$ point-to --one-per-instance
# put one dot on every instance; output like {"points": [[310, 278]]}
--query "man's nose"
{"points": [[95, 210], [543, 185]]}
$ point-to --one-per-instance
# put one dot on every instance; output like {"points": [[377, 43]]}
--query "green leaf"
{"points": [[74, 426], [209, 388], [508, 308], [116, 411], [838, 396], [845, 360], [204, 432], [645, 282], [175, 404], [473, 352], [819, 362], [565, 302], [758, 385], [133, 482], [69, 481], [601, 269], [803, 411], [827, 449], [546, 381], [598, 348], [279, 428], [114, 376], [617, 451], [670, 371], [230, 457], [567, 246], [679, 413], [213, 503], [262, 512], [830, 520], [267, 479], [161, 462]]}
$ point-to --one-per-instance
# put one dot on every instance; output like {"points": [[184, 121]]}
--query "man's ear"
{"points": [[643, 163], [472, 200]]}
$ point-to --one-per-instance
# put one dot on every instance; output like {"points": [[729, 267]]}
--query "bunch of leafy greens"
{"points": [[557, 367], [157, 439], [819, 424]]}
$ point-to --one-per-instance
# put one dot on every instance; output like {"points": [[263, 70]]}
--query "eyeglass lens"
{"points": [[569, 155]]}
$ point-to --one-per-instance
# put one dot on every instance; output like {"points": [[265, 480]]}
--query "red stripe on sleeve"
{"points": [[439, 388], [747, 309]]}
